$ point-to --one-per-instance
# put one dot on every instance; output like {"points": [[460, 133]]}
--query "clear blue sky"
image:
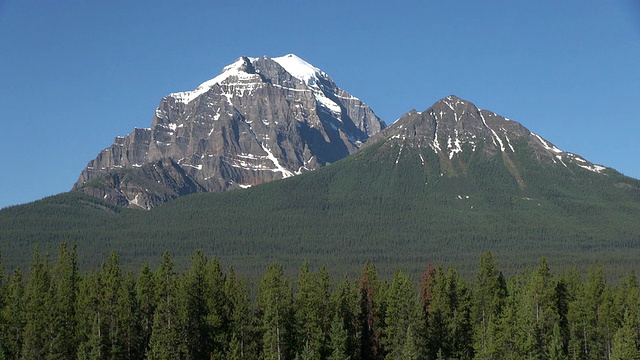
{"points": [[75, 74]]}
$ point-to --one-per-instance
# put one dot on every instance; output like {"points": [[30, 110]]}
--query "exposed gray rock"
{"points": [[452, 126], [260, 120]]}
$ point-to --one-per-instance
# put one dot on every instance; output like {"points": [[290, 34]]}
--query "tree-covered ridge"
{"points": [[400, 208], [207, 313]]}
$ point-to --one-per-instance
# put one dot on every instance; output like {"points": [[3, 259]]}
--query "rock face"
{"points": [[260, 120], [453, 126]]}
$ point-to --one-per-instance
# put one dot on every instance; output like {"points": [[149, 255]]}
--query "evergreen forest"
{"points": [[395, 211], [56, 311]]}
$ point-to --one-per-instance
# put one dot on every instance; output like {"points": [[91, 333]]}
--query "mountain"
{"points": [[442, 185], [260, 120], [455, 130]]}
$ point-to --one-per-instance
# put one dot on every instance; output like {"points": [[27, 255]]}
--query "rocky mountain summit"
{"points": [[260, 120], [454, 128]]}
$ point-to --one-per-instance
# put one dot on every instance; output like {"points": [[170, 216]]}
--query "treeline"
{"points": [[205, 313]]}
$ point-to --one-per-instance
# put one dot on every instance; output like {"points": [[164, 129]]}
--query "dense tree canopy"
{"points": [[56, 312]]}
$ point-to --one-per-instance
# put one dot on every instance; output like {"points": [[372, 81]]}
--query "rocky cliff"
{"points": [[260, 120]]}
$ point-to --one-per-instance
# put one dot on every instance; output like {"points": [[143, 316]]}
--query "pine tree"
{"points": [[562, 299], [556, 347], [338, 340], [146, 299], [459, 324], [197, 289], [241, 343], [37, 310], [324, 303], [346, 308], [509, 330], [166, 341], [13, 317], [448, 315], [275, 305], [92, 325], [218, 309], [371, 316], [488, 299], [311, 304], [626, 342], [64, 289], [587, 340], [411, 350], [129, 341], [111, 289], [577, 316], [428, 324], [308, 353], [236, 349], [401, 314]]}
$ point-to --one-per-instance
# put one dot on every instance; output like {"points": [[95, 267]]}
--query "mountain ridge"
{"points": [[400, 201]]}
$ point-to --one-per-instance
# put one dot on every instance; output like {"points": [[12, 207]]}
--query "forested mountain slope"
{"points": [[440, 185]]}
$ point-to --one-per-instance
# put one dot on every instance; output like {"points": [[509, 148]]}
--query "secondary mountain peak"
{"points": [[260, 119], [455, 130]]}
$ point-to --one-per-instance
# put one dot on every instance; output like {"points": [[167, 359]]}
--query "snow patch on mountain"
{"points": [[547, 145], [237, 69]]}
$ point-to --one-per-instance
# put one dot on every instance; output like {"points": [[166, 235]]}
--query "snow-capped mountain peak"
{"points": [[261, 119], [242, 69], [299, 68]]}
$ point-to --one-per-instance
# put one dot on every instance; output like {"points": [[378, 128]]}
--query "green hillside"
{"points": [[400, 209]]}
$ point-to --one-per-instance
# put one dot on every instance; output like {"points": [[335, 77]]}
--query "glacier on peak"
{"points": [[298, 68], [309, 75]]}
